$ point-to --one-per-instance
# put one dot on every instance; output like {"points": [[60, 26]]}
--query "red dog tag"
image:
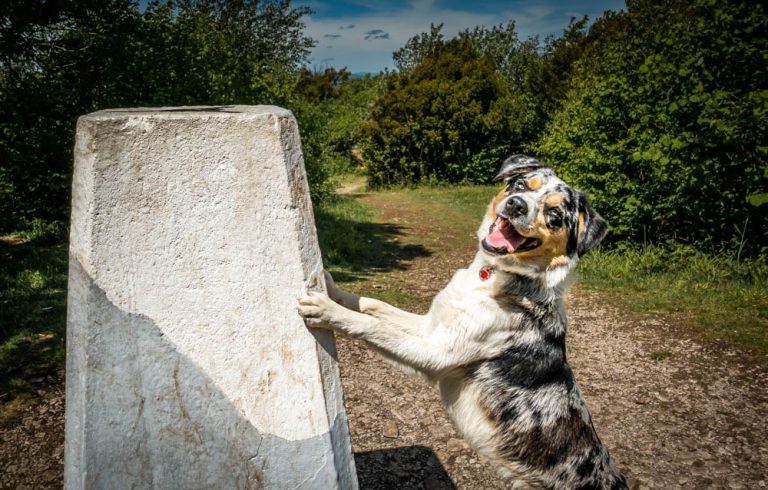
{"points": [[486, 273]]}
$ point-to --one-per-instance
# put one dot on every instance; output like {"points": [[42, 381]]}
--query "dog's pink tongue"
{"points": [[504, 236]]}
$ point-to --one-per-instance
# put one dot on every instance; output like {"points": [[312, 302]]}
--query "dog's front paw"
{"points": [[316, 309]]}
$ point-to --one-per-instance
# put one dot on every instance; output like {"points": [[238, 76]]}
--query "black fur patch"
{"points": [[595, 227], [517, 164], [514, 387]]}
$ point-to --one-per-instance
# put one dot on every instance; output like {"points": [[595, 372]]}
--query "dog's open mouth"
{"points": [[503, 238]]}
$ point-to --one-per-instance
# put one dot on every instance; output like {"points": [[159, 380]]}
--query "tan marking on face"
{"points": [[558, 261], [581, 225], [491, 211], [535, 183], [554, 200], [552, 252]]}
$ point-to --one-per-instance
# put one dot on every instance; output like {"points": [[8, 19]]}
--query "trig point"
{"points": [[187, 364]]}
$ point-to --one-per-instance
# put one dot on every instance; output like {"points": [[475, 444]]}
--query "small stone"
{"points": [[455, 445], [390, 429], [50, 476]]}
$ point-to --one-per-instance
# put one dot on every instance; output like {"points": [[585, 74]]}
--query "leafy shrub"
{"points": [[59, 60], [443, 120], [667, 122]]}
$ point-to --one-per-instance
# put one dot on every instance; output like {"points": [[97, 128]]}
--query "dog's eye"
{"points": [[519, 186], [554, 218]]}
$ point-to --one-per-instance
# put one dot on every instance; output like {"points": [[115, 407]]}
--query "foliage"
{"points": [[667, 121], [330, 130], [319, 86], [350, 110], [89, 55], [547, 78], [417, 48], [531, 82], [444, 120], [515, 61], [33, 280]]}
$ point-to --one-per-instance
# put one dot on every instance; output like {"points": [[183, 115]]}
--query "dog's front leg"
{"points": [[319, 311], [428, 353], [373, 307]]}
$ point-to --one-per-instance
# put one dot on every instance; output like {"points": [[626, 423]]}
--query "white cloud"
{"points": [[358, 55]]}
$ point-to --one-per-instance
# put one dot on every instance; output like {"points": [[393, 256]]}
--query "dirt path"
{"points": [[676, 412]]}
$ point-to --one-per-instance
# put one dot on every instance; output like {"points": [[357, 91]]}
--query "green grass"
{"points": [[354, 245], [33, 281], [659, 355], [461, 206], [723, 298]]}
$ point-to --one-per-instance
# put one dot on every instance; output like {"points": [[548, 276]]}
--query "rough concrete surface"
{"points": [[187, 365]]}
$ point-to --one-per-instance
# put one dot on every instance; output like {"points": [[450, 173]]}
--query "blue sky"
{"points": [[362, 34]]}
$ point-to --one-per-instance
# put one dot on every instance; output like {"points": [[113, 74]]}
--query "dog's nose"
{"points": [[516, 206]]}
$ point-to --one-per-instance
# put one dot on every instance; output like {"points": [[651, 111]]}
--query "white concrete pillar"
{"points": [[187, 364]]}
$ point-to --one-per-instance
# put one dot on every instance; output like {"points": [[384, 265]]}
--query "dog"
{"points": [[493, 340]]}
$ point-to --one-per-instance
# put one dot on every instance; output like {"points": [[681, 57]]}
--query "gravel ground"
{"points": [[695, 419], [32, 452], [676, 412]]}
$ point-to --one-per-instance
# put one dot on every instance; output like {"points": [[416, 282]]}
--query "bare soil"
{"points": [[675, 411]]}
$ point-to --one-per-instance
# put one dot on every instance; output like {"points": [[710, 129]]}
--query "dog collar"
{"points": [[486, 272]]}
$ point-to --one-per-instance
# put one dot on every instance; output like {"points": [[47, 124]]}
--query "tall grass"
{"points": [[722, 296]]}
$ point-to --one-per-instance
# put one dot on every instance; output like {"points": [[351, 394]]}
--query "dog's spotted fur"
{"points": [[496, 348]]}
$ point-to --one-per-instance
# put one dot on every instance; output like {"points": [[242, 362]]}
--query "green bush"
{"points": [[666, 126], [59, 60], [443, 120], [330, 127]]}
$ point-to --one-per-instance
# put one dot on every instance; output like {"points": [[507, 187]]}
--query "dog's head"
{"points": [[538, 223]]}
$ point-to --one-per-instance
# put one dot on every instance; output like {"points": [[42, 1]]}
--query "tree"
{"points": [[417, 47], [667, 120], [63, 58], [445, 120], [319, 86], [548, 77]]}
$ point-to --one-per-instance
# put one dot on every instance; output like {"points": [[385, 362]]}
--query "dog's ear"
{"points": [[517, 164], [591, 228]]}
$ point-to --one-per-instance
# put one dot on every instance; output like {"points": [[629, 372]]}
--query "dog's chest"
{"points": [[467, 296]]}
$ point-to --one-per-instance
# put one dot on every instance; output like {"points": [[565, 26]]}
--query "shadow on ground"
{"points": [[362, 248], [404, 468], [33, 282]]}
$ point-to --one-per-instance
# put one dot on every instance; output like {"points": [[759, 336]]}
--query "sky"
{"points": [[362, 34]]}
